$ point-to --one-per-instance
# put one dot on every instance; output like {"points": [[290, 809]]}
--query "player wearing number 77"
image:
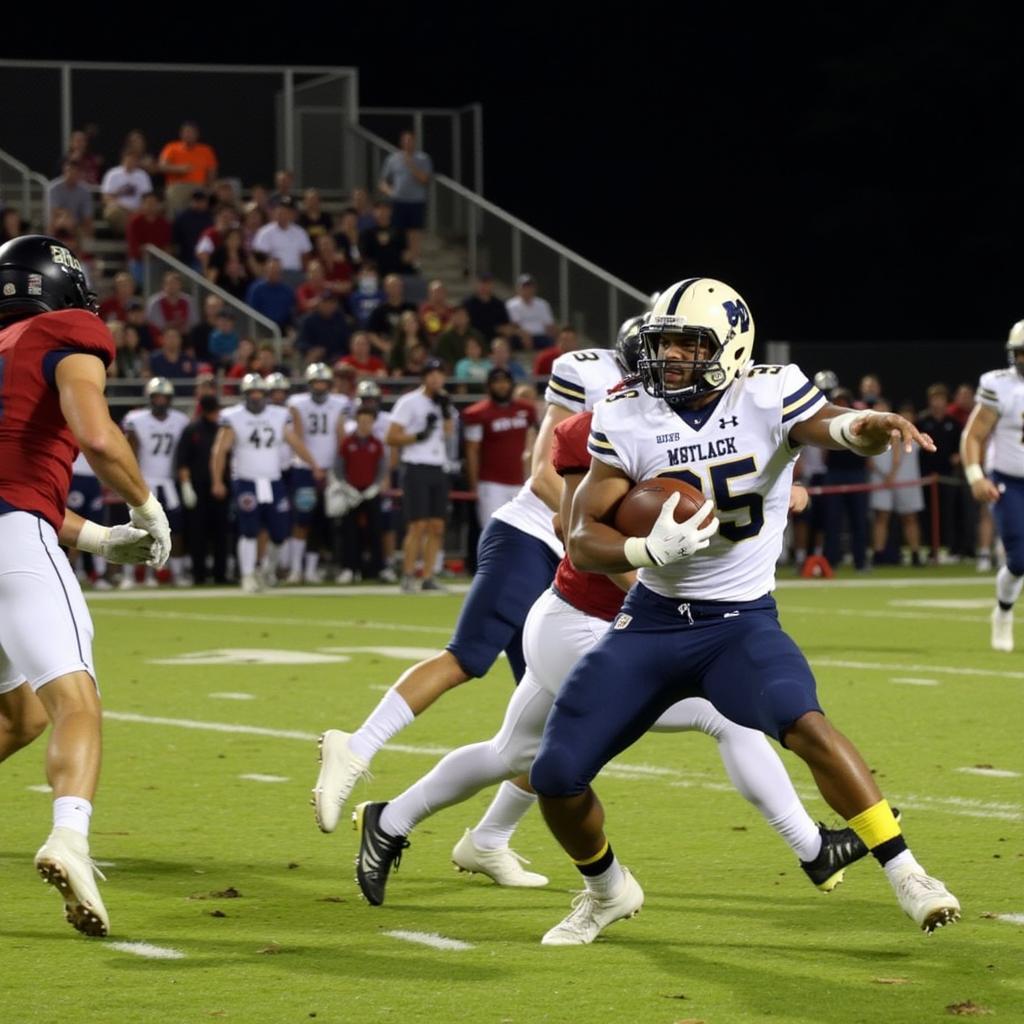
{"points": [[701, 620], [54, 351]]}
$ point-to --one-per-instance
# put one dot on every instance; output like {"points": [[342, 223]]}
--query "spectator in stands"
{"points": [[324, 331], [313, 219], [474, 366], [383, 321], [409, 334], [115, 305], [224, 195], [129, 358], [870, 392], [845, 467], [230, 266], [62, 227], [169, 360], [266, 363], [270, 296], [451, 345], [531, 315], [189, 226], [135, 142], [187, 165], [436, 312], [501, 358], [245, 354], [488, 314], [415, 359], [384, 244], [344, 381], [891, 467], [171, 307], [123, 188], [361, 358], [79, 151], [282, 239], [147, 227], [404, 177], [365, 216], [963, 402], [945, 461], [198, 341], [135, 318], [224, 341], [565, 341], [224, 220], [11, 224], [338, 270], [421, 423], [346, 235], [307, 295], [284, 186], [70, 194], [253, 218], [367, 295]]}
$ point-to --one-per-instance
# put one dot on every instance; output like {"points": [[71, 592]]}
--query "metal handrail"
{"points": [[28, 176]]}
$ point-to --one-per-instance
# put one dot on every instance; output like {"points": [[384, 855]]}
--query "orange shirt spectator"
{"points": [[198, 160]]}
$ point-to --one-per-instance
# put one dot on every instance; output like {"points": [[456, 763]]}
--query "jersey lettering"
{"points": [[721, 474], [585, 356], [267, 440], [758, 371], [317, 423], [161, 444]]}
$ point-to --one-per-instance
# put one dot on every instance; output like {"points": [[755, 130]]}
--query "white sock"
{"points": [[903, 860], [502, 817], [247, 555], [312, 563], [272, 558], [456, 777], [438, 563], [99, 564], [387, 719], [796, 828], [608, 883], [72, 812], [1008, 586], [177, 565], [297, 551]]}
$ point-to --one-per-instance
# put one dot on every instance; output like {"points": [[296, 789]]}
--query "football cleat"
{"points": [[340, 770], [1002, 630], [377, 852], [925, 900], [840, 847], [505, 866], [251, 584], [430, 585], [590, 915], [410, 585], [63, 861], [294, 578]]}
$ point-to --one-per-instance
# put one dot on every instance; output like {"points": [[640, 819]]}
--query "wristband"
{"points": [[92, 537], [839, 431], [635, 550], [973, 473]]}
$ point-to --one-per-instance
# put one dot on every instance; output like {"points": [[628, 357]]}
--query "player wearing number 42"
{"points": [[701, 620]]}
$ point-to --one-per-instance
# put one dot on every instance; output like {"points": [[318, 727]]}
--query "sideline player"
{"points": [[256, 432], [54, 351], [563, 625], [999, 415], [516, 562], [701, 620], [86, 498], [154, 432]]}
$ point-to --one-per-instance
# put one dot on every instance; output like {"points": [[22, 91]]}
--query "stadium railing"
{"points": [[20, 185]]}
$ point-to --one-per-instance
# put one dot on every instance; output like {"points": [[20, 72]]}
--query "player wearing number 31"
{"points": [[701, 620], [54, 351]]}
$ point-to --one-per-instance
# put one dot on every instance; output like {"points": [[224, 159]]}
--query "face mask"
{"points": [[368, 283], [209, 403]]}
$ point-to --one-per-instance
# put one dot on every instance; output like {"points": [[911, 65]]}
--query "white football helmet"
{"points": [[1015, 345], [159, 386], [319, 372], [703, 310], [253, 382], [367, 388], [277, 381]]}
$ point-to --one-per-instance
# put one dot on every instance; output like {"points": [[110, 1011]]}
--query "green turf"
{"points": [[731, 931]]}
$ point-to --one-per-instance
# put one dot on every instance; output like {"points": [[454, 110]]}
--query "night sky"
{"points": [[855, 175]]}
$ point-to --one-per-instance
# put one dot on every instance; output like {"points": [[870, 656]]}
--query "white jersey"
{"points": [[736, 451], [157, 440], [320, 425], [81, 467], [259, 437], [1003, 392], [578, 381]]}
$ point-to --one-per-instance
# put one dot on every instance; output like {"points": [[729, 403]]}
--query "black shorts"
{"points": [[408, 216], [425, 491]]}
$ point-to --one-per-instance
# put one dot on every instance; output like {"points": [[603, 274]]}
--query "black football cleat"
{"points": [[840, 847], [377, 852]]}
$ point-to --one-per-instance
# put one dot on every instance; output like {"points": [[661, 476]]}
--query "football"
{"points": [[640, 508]]}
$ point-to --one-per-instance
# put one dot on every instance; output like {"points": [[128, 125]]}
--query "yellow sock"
{"points": [[593, 860], [876, 825]]}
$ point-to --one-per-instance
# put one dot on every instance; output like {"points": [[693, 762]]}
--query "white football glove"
{"points": [[670, 541], [353, 496], [150, 516], [189, 498], [371, 492], [123, 545]]}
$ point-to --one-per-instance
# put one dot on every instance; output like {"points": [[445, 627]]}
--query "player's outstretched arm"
{"points": [[544, 481], [866, 433], [979, 427], [222, 444]]}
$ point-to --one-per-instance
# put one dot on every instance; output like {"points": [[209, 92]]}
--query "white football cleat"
{"points": [[590, 915], [340, 770], [63, 861], [345, 577], [1002, 630], [294, 578], [925, 899], [505, 866], [251, 584], [128, 579]]}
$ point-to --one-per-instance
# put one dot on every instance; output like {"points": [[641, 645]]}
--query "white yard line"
{"points": [[914, 681], [431, 939], [1010, 918], [959, 806], [875, 613], [991, 773], [146, 949], [210, 593], [256, 777], [891, 666], [232, 696], [900, 582]]}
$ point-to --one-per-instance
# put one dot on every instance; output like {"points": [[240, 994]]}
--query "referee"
{"points": [[421, 422]]}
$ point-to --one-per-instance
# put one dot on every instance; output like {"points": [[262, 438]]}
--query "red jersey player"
{"points": [[497, 432], [54, 351]]}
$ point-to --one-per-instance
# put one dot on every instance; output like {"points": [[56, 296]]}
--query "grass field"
{"points": [[213, 705]]}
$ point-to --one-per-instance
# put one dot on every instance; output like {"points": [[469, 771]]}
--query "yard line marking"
{"points": [[431, 939], [146, 949], [900, 582], [876, 613], [228, 695], [1010, 918], [105, 863], [43, 788], [256, 777], [973, 603], [992, 773], [889, 666], [203, 593], [914, 681], [959, 806]]}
